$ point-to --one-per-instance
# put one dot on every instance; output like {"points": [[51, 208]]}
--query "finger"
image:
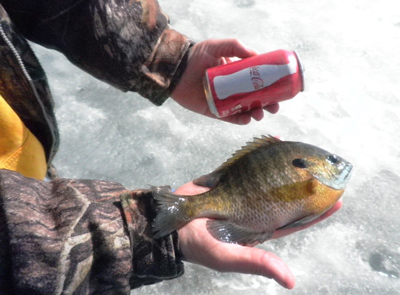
{"points": [[245, 118], [230, 48], [334, 209], [239, 119], [222, 61], [229, 60], [327, 214], [257, 114], [272, 108], [225, 60], [288, 231], [256, 261]]}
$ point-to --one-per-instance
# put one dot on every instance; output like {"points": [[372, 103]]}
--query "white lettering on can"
{"points": [[251, 79]]}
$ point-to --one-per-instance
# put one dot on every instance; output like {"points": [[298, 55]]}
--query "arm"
{"points": [[79, 236], [130, 45], [126, 43]]}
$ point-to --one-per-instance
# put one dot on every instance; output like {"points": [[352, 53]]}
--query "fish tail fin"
{"points": [[170, 212]]}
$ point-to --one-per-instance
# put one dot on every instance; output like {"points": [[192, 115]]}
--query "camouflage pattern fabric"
{"points": [[126, 43], [79, 237], [82, 236]]}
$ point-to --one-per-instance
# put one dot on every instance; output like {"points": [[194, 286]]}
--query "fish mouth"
{"points": [[337, 181], [348, 170], [341, 180]]}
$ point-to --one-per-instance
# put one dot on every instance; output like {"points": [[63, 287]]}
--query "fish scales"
{"points": [[267, 185]]}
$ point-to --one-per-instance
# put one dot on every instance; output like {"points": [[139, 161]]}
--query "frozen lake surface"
{"points": [[350, 107]]}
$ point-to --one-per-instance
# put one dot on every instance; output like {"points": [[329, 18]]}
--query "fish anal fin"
{"points": [[228, 232]]}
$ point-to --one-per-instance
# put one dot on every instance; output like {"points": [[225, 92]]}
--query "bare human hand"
{"points": [[189, 92], [200, 247]]}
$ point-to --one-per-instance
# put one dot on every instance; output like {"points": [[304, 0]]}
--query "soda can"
{"points": [[254, 82]]}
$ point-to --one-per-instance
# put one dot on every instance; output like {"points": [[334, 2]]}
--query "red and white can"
{"points": [[253, 82]]}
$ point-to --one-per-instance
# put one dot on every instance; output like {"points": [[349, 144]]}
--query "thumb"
{"points": [[229, 48]]}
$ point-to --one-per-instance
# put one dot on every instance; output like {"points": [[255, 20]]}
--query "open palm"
{"points": [[200, 247]]}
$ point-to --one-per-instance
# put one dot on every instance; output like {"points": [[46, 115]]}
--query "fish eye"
{"points": [[299, 163], [333, 159]]}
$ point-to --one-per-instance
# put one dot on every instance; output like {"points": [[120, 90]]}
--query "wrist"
{"points": [[152, 260]]}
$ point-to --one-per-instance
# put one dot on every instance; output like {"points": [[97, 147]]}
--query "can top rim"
{"points": [[302, 70], [209, 97]]}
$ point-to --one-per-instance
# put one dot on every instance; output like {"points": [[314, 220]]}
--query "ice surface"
{"points": [[351, 53]]}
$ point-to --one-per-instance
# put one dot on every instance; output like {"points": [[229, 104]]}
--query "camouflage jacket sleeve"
{"points": [[79, 237], [126, 43]]}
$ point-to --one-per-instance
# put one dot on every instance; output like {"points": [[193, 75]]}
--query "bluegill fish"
{"points": [[267, 185]]}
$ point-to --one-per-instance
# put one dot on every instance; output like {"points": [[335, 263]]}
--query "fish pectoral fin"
{"points": [[228, 232], [299, 222]]}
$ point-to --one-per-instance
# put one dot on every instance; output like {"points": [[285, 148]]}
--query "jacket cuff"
{"points": [[153, 260], [166, 65]]}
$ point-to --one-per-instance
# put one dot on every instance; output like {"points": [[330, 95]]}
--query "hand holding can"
{"points": [[253, 82]]}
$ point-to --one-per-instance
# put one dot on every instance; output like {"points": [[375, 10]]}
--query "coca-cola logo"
{"points": [[255, 77]]}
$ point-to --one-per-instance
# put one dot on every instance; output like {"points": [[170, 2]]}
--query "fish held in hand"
{"points": [[267, 185]]}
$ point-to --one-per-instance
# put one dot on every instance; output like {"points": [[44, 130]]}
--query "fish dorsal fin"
{"points": [[250, 147], [212, 179]]}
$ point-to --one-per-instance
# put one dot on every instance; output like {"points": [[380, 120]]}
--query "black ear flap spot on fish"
{"points": [[299, 163]]}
